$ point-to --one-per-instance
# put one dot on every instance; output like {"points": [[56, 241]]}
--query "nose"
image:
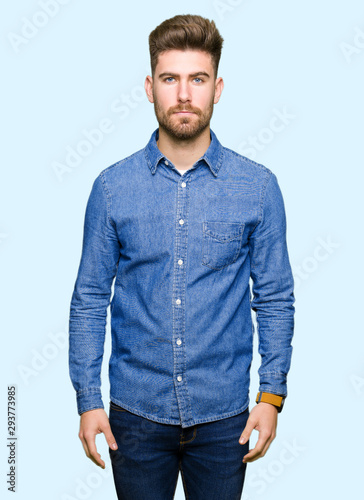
{"points": [[184, 93]]}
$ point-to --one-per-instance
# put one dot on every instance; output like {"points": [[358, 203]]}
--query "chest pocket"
{"points": [[221, 243]]}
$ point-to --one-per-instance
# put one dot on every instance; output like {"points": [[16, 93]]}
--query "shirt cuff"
{"points": [[89, 399], [273, 383]]}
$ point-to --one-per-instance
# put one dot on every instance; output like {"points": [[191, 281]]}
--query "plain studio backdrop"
{"points": [[73, 103]]}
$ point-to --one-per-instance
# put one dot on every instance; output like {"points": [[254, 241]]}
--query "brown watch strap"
{"points": [[266, 397]]}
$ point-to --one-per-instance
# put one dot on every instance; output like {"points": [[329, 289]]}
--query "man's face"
{"points": [[184, 91]]}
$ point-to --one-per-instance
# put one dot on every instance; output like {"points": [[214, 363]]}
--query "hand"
{"points": [[263, 418], [94, 422]]}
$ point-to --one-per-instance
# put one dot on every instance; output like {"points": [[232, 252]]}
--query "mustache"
{"points": [[185, 108]]}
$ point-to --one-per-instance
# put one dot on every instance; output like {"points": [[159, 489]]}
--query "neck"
{"points": [[183, 153]]}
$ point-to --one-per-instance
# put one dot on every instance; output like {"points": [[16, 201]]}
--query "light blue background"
{"points": [[67, 78]]}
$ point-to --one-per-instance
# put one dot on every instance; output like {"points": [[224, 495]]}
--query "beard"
{"points": [[182, 127]]}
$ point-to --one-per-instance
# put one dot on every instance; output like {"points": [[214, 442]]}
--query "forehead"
{"points": [[184, 61]]}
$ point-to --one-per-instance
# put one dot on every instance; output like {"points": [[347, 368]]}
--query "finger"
{"points": [[94, 455], [87, 451], [83, 443], [245, 435], [109, 436], [92, 451], [260, 448]]}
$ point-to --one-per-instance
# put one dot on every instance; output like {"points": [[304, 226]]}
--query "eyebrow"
{"points": [[198, 73]]}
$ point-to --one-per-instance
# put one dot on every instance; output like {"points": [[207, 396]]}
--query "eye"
{"points": [[169, 78], [197, 78]]}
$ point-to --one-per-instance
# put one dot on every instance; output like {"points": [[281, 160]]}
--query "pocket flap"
{"points": [[223, 231]]}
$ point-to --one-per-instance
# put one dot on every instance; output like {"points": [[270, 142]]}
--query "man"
{"points": [[182, 225]]}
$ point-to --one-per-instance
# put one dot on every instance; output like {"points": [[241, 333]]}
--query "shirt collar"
{"points": [[212, 156]]}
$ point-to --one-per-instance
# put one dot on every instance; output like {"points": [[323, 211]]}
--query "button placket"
{"points": [[179, 303]]}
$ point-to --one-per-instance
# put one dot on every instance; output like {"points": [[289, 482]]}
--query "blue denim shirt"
{"points": [[182, 249]]}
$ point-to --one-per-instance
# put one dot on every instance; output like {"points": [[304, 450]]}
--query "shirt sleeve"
{"points": [[273, 291], [91, 298]]}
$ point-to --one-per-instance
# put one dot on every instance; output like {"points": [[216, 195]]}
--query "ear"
{"points": [[148, 85], [219, 85]]}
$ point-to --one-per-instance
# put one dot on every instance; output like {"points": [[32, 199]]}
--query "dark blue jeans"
{"points": [[150, 456]]}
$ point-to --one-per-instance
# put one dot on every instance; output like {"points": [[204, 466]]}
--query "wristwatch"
{"points": [[273, 399]]}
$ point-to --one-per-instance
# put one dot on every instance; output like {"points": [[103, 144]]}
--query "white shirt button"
{"points": [[179, 341], [180, 262], [181, 221], [183, 184], [178, 301], [179, 378], [166, 162]]}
